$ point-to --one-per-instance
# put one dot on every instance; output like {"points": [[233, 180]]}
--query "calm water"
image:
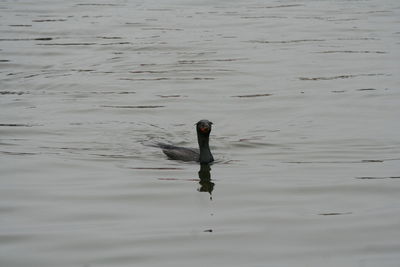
{"points": [[304, 96]]}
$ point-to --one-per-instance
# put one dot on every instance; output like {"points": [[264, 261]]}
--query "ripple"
{"points": [[20, 25], [375, 177], [344, 76], [255, 95], [28, 39], [18, 153], [277, 6], [352, 52], [12, 93], [335, 213], [96, 4], [15, 125], [68, 44], [367, 89], [156, 168], [170, 96], [287, 41], [48, 20], [340, 161], [140, 106]]}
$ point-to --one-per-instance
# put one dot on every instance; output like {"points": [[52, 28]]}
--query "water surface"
{"points": [[304, 97]]}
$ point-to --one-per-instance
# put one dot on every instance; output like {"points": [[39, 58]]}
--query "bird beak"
{"points": [[205, 129]]}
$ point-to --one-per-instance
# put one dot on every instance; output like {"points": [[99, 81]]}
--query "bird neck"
{"points": [[203, 141], [205, 153]]}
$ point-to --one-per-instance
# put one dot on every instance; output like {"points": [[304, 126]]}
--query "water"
{"points": [[304, 97]]}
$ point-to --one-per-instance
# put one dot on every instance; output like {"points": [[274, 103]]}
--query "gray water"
{"points": [[304, 97]]}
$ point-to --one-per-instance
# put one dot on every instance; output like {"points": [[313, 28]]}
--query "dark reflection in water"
{"points": [[205, 179]]}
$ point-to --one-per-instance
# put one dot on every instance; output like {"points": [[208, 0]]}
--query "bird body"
{"points": [[202, 155]]}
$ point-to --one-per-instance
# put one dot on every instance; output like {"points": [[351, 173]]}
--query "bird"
{"points": [[202, 154]]}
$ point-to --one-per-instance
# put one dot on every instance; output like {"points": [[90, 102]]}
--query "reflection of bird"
{"points": [[202, 155], [205, 179]]}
